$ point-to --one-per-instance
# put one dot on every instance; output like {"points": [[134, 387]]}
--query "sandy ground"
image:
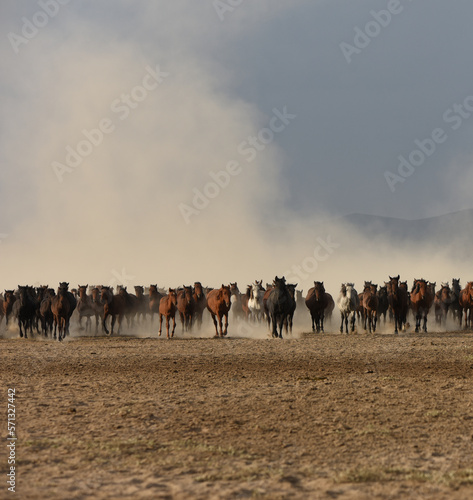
{"points": [[312, 416]]}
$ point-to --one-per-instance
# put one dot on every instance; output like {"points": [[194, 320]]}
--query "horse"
{"points": [[186, 307], [290, 315], [167, 309], [97, 307], [24, 309], [9, 299], [442, 302], [154, 300], [200, 303], [280, 304], [269, 287], [455, 307], [237, 304], [255, 300], [398, 302], [46, 313], [370, 306], [114, 306], [219, 303], [142, 306], [131, 305], [421, 302], [85, 307], [61, 309], [72, 302], [316, 301], [383, 303], [466, 303], [348, 303]]}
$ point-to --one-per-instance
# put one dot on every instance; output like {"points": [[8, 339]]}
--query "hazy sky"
{"points": [[170, 141]]}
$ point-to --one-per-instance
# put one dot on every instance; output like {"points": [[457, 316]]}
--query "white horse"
{"points": [[348, 302], [255, 300]]}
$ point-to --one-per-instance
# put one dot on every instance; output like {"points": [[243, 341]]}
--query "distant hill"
{"points": [[449, 229]]}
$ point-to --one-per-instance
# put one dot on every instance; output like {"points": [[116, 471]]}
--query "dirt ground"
{"points": [[313, 416]]}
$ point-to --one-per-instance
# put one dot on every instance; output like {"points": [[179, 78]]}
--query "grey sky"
{"points": [[227, 75]]}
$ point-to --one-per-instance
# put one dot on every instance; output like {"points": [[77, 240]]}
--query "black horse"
{"points": [[280, 304], [24, 309]]}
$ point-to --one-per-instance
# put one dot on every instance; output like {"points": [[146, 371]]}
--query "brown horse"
{"points": [[113, 306], [168, 309], [455, 307], [131, 305], [186, 307], [97, 307], [85, 307], [292, 309], [219, 304], [466, 303], [442, 302], [46, 313], [155, 297], [200, 303], [61, 309], [398, 302], [9, 299], [316, 301], [142, 308], [422, 299], [370, 306]]}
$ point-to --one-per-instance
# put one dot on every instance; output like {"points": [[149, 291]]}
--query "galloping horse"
{"points": [[97, 307], [24, 309], [442, 302], [154, 300], [219, 304], [348, 303], [168, 309], [370, 305], [466, 303], [421, 302], [61, 309], [200, 303], [131, 305], [142, 307], [255, 300], [316, 302], [383, 303], [186, 307], [46, 313], [9, 299], [114, 306], [290, 315], [85, 307], [237, 304], [280, 304], [398, 302], [455, 305]]}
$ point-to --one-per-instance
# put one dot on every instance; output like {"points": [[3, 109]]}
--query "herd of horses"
{"points": [[49, 312]]}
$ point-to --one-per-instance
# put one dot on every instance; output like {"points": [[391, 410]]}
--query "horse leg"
{"points": [[375, 320], [425, 322], [104, 322], [167, 326], [226, 324], [214, 319], [173, 325], [341, 326], [160, 323], [322, 317]]}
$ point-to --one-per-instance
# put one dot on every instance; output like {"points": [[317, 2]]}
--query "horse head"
{"points": [[224, 294]]}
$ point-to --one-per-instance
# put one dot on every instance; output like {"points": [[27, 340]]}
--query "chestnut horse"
{"points": [[200, 303], [168, 309], [422, 299], [466, 303], [186, 307], [316, 301], [219, 303], [9, 299], [114, 306], [442, 302], [370, 306], [61, 309]]}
